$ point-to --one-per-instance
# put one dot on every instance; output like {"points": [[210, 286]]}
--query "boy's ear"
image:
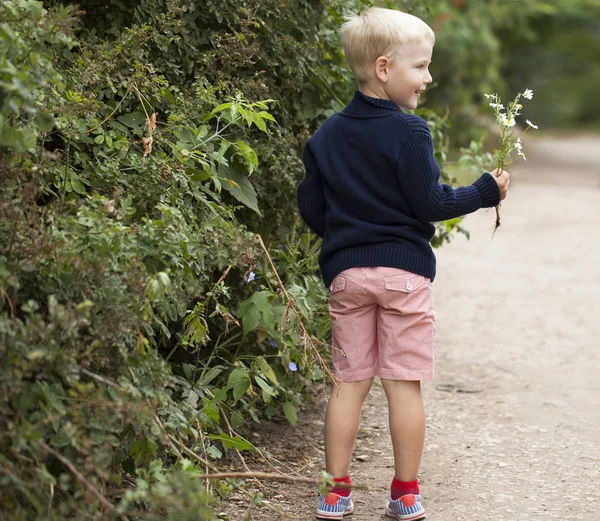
{"points": [[381, 68]]}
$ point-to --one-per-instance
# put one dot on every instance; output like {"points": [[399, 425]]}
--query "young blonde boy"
{"points": [[371, 192]]}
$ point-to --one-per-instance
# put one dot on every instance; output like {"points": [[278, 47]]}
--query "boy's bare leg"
{"points": [[407, 426], [341, 424]]}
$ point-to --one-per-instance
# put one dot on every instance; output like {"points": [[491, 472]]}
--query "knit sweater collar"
{"points": [[362, 105]]}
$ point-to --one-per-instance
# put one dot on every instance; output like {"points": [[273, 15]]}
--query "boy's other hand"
{"points": [[503, 179]]}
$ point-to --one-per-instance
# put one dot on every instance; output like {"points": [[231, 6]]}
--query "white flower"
{"points": [[522, 155], [507, 121], [499, 106], [528, 94], [531, 124], [518, 144]]}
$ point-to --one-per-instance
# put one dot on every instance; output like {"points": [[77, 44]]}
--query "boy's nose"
{"points": [[428, 78]]}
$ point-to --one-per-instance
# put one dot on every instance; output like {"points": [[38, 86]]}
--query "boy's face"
{"points": [[407, 75]]}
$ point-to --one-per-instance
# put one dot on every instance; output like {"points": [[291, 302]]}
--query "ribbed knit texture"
{"points": [[401, 488], [372, 190], [342, 491]]}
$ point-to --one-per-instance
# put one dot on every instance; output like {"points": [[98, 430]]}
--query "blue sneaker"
{"points": [[333, 506], [406, 508]]}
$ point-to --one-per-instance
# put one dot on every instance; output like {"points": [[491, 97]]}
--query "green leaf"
{"points": [[266, 369], [10, 136], [265, 115], [117, 126], [77, 184], [239, 382], [167, 96], [61, 440], [184, 135], [231, 443], [210, 375], [239, 187], [143, 450], [44, 121], [247, 115], [236, 420], [262, 383], [133, 120], [259, 122], [214, 452], [249, 155], [198, 175], [225, 144], [289, 409], [222, 107], [254, 311], [202, 132], [6, 33]]}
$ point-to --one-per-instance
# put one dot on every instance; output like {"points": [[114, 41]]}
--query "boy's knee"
{"points": [[360, 388]]}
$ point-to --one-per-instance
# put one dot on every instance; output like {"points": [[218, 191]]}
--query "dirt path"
{"points": [[514, 413]]}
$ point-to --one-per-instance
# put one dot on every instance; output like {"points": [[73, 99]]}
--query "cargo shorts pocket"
{"points": [[338, 284], [404, 282]]}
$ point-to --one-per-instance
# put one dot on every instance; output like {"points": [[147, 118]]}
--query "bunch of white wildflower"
{"points": [[506, 119]]}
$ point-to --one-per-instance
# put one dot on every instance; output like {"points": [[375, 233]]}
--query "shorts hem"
{"points": [[395, 374], [363, 374]]}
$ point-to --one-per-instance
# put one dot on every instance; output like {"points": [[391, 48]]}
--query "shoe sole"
{"points": [[330, 515], [411, 517]]}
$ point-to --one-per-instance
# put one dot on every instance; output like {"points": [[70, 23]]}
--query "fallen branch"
{"points": [[275, 477]]}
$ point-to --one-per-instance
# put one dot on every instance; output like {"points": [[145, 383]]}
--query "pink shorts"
{"points": [[383, 324]]}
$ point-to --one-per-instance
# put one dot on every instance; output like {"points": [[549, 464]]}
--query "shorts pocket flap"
{"points": [[404, 283], [338, 284]]}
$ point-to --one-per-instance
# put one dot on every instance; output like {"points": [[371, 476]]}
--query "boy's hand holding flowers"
{"points": [[503, 179]]}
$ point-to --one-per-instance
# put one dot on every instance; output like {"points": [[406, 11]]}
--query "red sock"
{"points": [[401, 488], [342, 491]]}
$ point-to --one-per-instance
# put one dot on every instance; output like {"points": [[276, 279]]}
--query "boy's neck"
{"points": [[373, 92]]}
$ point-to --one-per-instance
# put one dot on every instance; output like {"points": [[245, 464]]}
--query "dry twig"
{"points": [[307, 338], [81, 478], [275, 477]]}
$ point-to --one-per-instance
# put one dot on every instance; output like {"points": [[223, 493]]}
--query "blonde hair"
{"points": [[379, 32]]}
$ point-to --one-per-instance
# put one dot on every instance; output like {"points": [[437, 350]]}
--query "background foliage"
{"points": [[148, 151]]}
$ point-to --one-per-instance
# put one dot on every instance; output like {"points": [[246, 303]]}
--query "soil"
{"points": [[513, 417]]}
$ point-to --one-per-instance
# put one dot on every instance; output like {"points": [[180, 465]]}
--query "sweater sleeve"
{"points": [[419, 176], [311, 198]]}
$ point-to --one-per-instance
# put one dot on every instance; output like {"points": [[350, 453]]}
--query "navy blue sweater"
{"points": [[372, 190]]}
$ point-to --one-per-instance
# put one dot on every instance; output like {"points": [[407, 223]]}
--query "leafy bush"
{"points": [[120, 249]]}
